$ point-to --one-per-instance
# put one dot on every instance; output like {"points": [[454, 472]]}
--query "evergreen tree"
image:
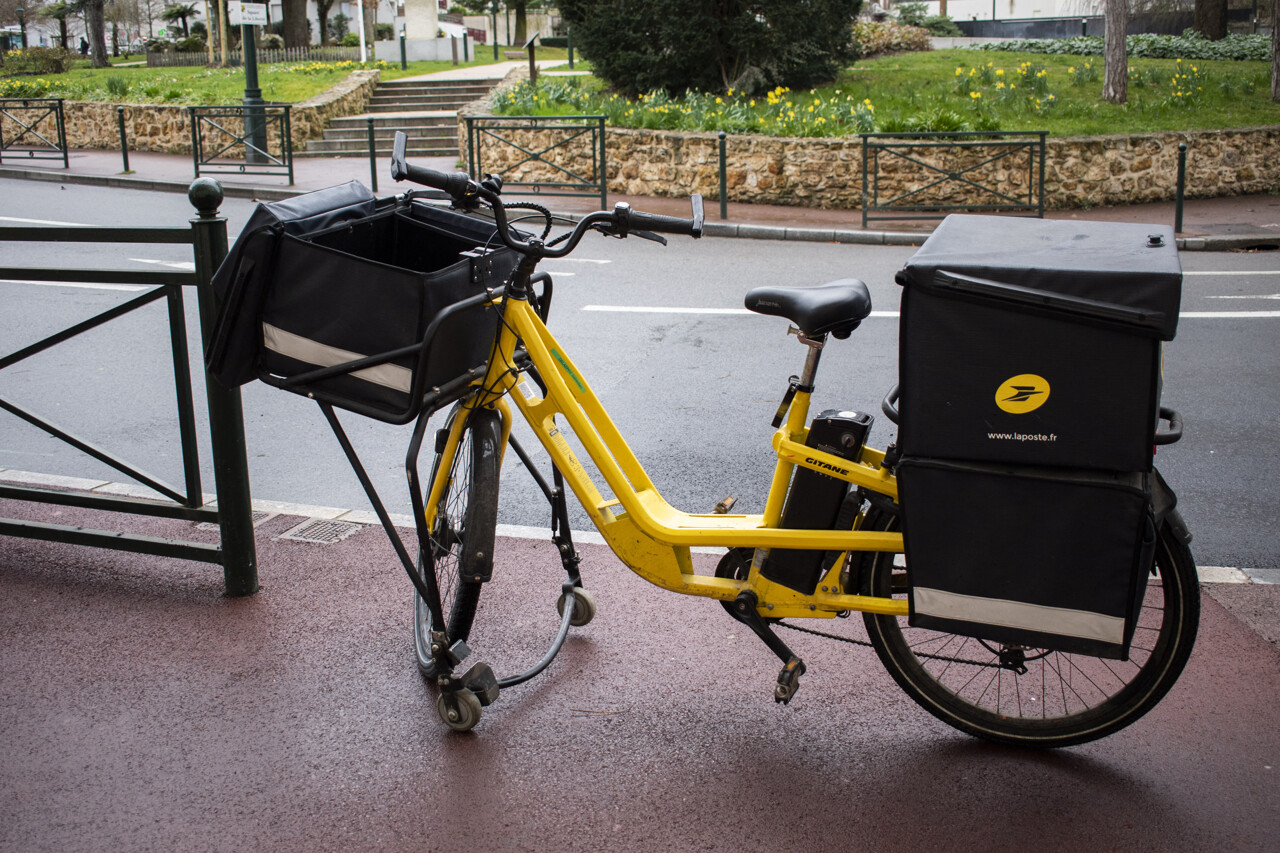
{"points": [[713, 45]]}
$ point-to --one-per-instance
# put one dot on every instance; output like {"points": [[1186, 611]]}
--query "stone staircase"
{"points": [[426, 111]]}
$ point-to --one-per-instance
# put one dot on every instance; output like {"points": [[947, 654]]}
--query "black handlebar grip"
{"points": [[456, 184], [640, 221]]}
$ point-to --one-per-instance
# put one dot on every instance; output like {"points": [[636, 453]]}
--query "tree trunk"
{"points": [[297, 33], [96, 19], [1115, 84], [522, 23], [1211, 19], [1275, 53]]}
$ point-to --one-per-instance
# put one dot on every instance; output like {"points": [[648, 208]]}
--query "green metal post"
{"points": [[124, 143], [1182, 187], [604, 169], [373, 157], [568, 35], [226, 416], [493, 31], [724, 181], [404, 59]]}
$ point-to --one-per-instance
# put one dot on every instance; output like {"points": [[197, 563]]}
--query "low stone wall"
{"points": [[161, 127], [827, 173]]}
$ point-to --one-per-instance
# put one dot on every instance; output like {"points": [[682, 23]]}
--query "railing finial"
{"points": [[205, 195]]}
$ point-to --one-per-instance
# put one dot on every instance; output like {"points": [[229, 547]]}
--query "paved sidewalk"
{"points": [[1215, 223], [143, 710]]}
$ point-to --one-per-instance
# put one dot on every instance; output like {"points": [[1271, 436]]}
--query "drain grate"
{"points": [[322, 531], [258, 518]]}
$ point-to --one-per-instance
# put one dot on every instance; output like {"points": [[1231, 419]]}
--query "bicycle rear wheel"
{"points": [[1060, 699], [463, 533]]}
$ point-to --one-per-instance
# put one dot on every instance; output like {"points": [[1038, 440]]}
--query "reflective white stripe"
{"points": [[391, 376], [1018, 614]]}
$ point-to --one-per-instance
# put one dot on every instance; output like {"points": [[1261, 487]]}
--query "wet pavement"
{"points": [[144, 710]]}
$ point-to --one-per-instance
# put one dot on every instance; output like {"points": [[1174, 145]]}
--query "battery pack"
{"points": [[814, 500]]}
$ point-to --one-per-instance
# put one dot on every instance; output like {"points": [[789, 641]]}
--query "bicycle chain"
{"points": [[782, 624]]}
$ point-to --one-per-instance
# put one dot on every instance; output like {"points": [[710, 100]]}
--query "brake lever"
{"points": [[649, 235]]}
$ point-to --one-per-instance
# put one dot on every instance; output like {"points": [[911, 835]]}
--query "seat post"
{"points": [[815, 344]]}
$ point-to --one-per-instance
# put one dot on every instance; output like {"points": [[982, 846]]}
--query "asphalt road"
{"points": [[693, 392]]}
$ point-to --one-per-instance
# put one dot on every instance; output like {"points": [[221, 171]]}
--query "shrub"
{"points": [[713, 45], [385, 32], [271, 41], [351, 40], [942, 25], [1237, 46], [117, 87], [38, 60], [888, 37], [192, 44]]}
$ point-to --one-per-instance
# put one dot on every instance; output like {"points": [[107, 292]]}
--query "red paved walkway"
{"points": [[142, 710]]}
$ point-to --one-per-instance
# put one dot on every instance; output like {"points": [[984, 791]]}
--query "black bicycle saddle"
{"points": [[835, 308]]}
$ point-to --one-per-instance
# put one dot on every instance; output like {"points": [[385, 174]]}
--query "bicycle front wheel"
{"points": [[463, 533], [1059, 699]]}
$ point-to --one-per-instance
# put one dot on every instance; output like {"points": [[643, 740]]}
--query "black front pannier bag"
{"points": [[360, 304], [1042, 558]]}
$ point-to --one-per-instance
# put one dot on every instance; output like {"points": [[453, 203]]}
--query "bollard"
{"points": [[1084, 26], [404, 59], [1182, 187], [466, 55], [724, 181], [226, 413], [373, 157], [453, 45], [124, 143], [569, 41]]}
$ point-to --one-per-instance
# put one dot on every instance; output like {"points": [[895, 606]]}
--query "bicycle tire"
{"points": [[1062, 699], [464, 531]]}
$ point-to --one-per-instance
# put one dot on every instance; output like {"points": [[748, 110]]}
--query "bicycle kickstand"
{"points": [[744, 610]]}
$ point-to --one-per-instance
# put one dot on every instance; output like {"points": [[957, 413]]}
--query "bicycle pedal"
{"points": [[725, 505], [788, 681], [481, 681]]}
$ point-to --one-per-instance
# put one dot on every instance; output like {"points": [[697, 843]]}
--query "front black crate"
{"points": [[1036, 342], [369, 288], [1042, 558]]}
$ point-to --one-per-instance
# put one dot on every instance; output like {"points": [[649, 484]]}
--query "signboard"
{"points": [[247, 14]]}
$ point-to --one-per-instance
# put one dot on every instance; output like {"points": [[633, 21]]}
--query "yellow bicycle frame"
{"points": [[648, 535]]}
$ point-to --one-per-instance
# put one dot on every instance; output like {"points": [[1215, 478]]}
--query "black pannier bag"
{"points": [[1037, 342], [369, 312], [1042, 558]]}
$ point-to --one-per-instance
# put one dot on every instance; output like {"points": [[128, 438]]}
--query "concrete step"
{"points": [[333, 148], [361, 134], [397, 122]]}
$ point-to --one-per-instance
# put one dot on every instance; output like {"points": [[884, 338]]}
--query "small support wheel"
{"points": [[584, 607], [460, 710]]}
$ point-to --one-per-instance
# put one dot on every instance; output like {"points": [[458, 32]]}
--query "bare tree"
{"points": [[1115, 84]]}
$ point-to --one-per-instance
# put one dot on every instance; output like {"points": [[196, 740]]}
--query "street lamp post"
{"points": [[254, 118], [22, 26]]}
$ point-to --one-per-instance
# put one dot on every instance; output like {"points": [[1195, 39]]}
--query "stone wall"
{"points": [[827, 173], [161, 127]]}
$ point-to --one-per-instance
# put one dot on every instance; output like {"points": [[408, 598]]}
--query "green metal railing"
{"points": [[33, 129], [573, 160], [222, 140], [207, 236], [975, 165]]}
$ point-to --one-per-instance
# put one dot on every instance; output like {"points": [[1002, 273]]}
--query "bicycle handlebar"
{"points": [[619, 222]]}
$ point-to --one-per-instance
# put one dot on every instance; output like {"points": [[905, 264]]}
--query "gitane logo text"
{"points": [[1023, 393]]}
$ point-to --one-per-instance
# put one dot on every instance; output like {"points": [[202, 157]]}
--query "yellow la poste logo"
{"points": [[1023, 393]]}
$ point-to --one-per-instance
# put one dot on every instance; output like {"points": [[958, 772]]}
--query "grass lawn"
{"points": [[282, 83], [949, 90]]}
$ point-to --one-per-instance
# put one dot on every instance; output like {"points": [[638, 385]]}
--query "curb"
{"points": [[1208, 243]]}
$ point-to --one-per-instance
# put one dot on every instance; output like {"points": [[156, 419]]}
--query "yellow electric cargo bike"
{"points": [[1029, 404]]}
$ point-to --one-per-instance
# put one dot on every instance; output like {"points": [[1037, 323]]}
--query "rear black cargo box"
{"points": [[1036, 342]]}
